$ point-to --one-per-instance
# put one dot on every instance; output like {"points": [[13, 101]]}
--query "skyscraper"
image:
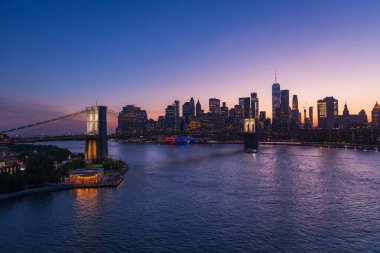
{"points": [[254, 105], [295, 111], [192, 107], [198, 110], [376, 116], [311, 116], [188, 110], [246, 104], [276, 98], [327, 113], [282, 119], [172, 119], [130, 120], [224, 110], [214, 106]]}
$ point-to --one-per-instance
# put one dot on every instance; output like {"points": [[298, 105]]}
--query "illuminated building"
{"points": [[131, 120], [246, 105], [376, 116], [194, 125], [281, 121], [254, 105], [276, 98], [86, 176], [295, 111], [214, 106], [327, 113]]}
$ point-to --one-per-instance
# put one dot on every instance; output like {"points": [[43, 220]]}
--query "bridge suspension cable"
{"points": [[43, 122], [112, 113]]}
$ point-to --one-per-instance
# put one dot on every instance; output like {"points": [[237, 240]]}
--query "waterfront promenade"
{"points": [[112, 180]]}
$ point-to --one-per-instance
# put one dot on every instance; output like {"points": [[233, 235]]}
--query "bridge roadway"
{"points": [[54, 138]]}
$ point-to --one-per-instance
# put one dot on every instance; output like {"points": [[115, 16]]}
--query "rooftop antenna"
{"points": [[275, 76]]}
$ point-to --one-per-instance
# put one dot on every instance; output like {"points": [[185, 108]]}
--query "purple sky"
{"points": [[58, 57]]}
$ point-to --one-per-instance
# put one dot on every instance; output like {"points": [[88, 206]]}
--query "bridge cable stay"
{"points": [[42, 122]]}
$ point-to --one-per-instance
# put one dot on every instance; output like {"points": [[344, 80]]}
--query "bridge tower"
{"points": [[97, 144], [250, 136]]}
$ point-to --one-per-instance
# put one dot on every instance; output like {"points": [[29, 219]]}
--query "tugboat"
{"points": [[250, 136]]}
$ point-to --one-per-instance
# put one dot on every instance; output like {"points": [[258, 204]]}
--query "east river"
{"points": [[209, 198]]}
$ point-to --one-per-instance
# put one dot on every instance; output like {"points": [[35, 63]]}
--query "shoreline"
{"points": [[117, 179]]}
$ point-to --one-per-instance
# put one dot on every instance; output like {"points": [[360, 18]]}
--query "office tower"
{"points": [[239, 114], [246, 104], [295, 103], [254, 105], [327, 113], [131, 120], [170, 122], [192, 107], [311, 116], [214, 106], [304, 115], [281, 122], [263, 115], [276, 98], [188, 110], [198, 110], [161, 123], [142, 121], [376, 116], [295, 111], [224, 110], [172, 119]]}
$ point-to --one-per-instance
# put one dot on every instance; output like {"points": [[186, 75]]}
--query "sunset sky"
{"points": [[58, 57]]}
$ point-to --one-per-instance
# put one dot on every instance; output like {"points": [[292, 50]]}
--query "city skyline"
{"points": [[57, 58]]}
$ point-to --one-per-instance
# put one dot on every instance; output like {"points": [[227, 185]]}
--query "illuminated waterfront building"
{"points": [[86, 176], [327, 113]]}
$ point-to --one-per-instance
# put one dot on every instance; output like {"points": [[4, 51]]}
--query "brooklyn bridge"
{"points": [[89, 124]]}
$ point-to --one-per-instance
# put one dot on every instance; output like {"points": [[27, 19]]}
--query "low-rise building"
{"points": [[86, 176]]}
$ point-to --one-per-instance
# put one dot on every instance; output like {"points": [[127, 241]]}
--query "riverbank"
{"points": [[112, 180]]}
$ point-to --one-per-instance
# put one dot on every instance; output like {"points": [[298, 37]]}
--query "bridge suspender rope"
{"points": [[42, 122]]}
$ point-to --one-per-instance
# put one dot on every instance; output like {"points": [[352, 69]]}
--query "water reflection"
{"points": [[212, 198]]}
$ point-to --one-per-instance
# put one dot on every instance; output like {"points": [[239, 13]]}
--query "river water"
{"points": [[212, 198]]}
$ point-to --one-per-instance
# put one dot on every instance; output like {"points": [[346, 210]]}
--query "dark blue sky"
{"points": [[60, 56]]}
